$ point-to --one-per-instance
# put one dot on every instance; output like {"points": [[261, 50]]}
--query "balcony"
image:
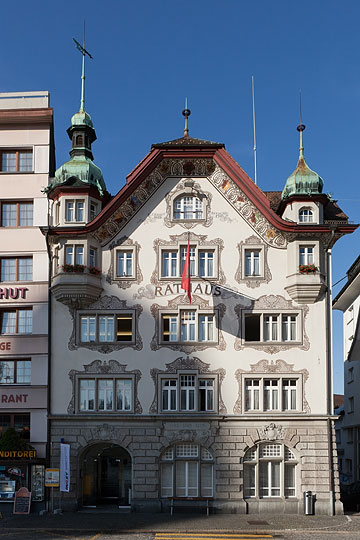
{"points": [[305, 288], [77, 288]]}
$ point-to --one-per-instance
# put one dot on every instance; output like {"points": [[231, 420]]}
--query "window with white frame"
{"points": [[187, 392], [306, 215], [188, 325], [92, 257], [269, 471], [105, 394], [264, 327], [271, 394], [125, 267], [188, 207], [93, 210], [74, 254], [16, 321], [15, 371], [187, 470], [252, 262], [74, 211], [306, 255], [202, 262], [107, 328], [16, 268]]}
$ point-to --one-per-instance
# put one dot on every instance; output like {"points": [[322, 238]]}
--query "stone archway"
{"points": [[105, 475]]}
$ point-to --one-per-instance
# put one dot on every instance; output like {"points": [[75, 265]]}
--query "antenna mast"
{"points": [[254, 129]]}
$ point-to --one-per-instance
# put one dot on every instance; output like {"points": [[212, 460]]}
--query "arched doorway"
{"points": [[106, 476]]}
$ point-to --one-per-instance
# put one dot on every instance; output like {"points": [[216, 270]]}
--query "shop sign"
{"points": [[15, 471], [13, 293], [17, 454], [14, 398], [22, 501], [52, 477], [5, 345]]}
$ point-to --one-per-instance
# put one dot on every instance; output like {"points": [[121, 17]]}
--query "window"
{"points": [[187, 471], [306, 215], [93, 210], [188, 325], [350, 375], [202, 262], [350, 435], [20, 422], [74, 254], [269, 471], [16, 269], [125, 263], [15, 371], [92, 257], [16, 321], [350, 404], [187, 392], [306, 255], [102, 328], [188, 207], [271, 394], [271, 327], [252, 262], [98, 395], [16, 161], [17, 214], [74, 211]]}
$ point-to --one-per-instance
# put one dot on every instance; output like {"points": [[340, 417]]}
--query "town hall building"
{"points": [[222, 396]]}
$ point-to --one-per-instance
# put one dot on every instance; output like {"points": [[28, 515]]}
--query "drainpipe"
{"points": [[329, 378], [48, 452]]}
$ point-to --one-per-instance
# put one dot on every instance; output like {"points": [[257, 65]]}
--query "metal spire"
{"points": [[301, 128], [83, 52], [186, 112], [253, 104]]}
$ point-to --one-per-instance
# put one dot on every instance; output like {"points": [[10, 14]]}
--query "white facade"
{"points": [[26, 160], [226, 398], [348, 426]]}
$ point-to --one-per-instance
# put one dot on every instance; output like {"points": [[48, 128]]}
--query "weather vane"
{"points": [[83, 51]]}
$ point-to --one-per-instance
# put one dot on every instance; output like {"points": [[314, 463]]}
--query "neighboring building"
{"points": [[348, 426], [228, 397], [26, 162]]}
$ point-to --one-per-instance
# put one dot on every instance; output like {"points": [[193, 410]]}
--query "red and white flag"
{"points": [[185, 278]]}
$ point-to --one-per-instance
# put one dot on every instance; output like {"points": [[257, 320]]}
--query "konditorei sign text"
{"points": [[18, 454]]}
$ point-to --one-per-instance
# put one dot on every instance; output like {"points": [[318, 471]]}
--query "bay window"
{"points": [[269, 471], [306, 255], [74, 211], [74, 254]]}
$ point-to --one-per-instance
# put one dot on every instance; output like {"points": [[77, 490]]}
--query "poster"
{"points": [[64, 467]]}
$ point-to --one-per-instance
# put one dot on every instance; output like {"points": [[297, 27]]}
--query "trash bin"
{"points": [[308, 503]]}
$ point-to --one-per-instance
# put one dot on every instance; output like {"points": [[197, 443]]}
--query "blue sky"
{"points": [[149, 55]]}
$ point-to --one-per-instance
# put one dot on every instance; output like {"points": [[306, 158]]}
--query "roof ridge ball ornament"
{"points": [[186, 112]]}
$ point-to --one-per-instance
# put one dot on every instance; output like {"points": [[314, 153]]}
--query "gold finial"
{"points": [[186, 112]]}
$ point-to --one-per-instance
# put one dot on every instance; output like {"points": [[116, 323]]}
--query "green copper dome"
{"points": [[81, 118], [303, 181], [83, 171]]}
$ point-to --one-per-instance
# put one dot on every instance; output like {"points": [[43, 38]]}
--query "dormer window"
{"points": [[188, 207], [306, 215], [74, 211]]}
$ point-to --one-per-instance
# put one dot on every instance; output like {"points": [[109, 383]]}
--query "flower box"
{"points": [[308, 269], [77, 268], [93, 270]]}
